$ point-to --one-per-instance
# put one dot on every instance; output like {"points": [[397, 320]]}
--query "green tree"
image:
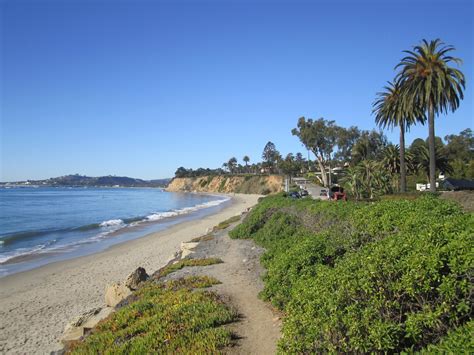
{"points": [[374, 178], [181, 172], [352, 181], [301, 162], [391, 159], [416, 145], [460, 153], [346, 138], [232, 164], [460, 145], [429, 82], [392, 163], [278, 162], [270, 155], [320, 137], [391, 110], [423, 160], [369, 146], [289, 165]]}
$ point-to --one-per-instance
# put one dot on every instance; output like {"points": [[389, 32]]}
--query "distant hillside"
{"points": [[247, 184], [103, 181]]}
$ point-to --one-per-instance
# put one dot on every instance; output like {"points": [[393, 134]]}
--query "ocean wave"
{"points": [[112, 222], [133, 219], [24, 235]]}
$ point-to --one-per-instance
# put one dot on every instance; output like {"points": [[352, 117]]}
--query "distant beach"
{"points": [[36, 305]]}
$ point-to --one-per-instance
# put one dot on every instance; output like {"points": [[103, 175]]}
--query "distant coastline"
{"points": [[88, 181]]}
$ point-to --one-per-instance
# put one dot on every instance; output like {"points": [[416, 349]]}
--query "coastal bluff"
{"points": [[244, 184]]}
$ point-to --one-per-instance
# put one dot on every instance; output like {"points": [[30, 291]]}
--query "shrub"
{"points": [[458, 341], [388, 276], [402, 292], [222, 184]]}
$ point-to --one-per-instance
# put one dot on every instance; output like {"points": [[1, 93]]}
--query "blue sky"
{"points": [[139, 88]]}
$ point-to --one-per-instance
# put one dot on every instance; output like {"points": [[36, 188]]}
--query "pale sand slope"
{"points": [[36, 305]]}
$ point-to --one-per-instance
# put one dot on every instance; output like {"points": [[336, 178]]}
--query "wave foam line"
{"points": [[112, 222], [162, 215], [38, 249]]}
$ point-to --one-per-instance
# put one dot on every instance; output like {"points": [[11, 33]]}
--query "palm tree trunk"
{"points": [[403, 168], [431, 143]]}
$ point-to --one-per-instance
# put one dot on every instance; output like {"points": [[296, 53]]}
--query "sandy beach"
{"points": [[36, 305]]}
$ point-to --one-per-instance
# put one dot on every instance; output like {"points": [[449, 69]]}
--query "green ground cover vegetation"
{"points": [[165, 318], [388, 276]]}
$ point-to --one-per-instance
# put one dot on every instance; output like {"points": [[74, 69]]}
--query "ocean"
{"points": [[47, 224]]}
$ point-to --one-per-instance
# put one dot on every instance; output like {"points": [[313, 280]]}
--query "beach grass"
{"points": [[165, 318], [184, 263], [226, 224], [203, 238]]}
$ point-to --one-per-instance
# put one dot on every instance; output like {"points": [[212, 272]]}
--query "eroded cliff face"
{"points": [[250, 184]]}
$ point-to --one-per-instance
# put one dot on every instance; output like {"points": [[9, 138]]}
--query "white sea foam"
{"points": [[112, 222], [162, 215], [21, 252]]}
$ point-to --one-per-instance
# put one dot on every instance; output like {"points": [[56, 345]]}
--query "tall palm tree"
{"points": [[430, 83], [391, 110], [246, 160]]}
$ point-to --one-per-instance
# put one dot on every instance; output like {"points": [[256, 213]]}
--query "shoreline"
{"points": [[139, 227], [35, 305]]}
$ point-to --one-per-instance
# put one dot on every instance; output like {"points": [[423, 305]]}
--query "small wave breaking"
{"points": [[162, 215], [112, 222]]}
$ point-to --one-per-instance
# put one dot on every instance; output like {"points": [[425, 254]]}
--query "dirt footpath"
{"points": [[258, 330]]}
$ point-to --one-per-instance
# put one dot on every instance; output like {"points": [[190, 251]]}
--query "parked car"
{"points": [[294, 194], [324, 194], [304, 193], [337, 193]]}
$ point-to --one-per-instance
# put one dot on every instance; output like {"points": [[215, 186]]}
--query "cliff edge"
{"points": [[244, 184]]}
